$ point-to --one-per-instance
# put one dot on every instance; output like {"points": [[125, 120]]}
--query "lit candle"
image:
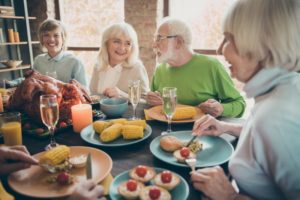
{"points": [[82, 116]]}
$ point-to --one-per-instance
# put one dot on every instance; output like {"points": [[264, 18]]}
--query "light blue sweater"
{"points": [[266, 162], [66, 65]]}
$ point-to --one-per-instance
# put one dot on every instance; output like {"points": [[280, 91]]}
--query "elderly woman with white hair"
{"points": [[262, 43], [200, 80], [118, 62]]}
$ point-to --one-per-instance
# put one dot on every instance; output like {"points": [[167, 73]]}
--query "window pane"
{"points": [[204, 16], [85, 19]]}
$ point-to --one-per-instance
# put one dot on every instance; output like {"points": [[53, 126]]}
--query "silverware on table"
{"points": [[192, 163], [191, 140], [88, 166]]}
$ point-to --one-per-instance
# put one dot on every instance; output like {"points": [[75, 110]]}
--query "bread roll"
{"points": [[170, 143]]}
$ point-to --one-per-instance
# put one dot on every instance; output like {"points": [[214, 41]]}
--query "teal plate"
{"points": [[215, 151], [88, 134], [180, 192]]}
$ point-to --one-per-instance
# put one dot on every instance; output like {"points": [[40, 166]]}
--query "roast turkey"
{"points": [[26, 97]]}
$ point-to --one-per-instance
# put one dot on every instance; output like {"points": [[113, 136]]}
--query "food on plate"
{"points": [[184, 153], [154, 193], [62, 178], [118, 121], [185, 112], [142, 173], [130, 132], [99, 126], [167, 180], [113, 129], [195, 146], [111, 133], [139, 122], [56, 159], [78, 161], [26, 96], [130, 189], [170, 143]]}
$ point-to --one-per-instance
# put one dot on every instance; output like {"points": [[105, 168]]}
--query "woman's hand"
{"points": [[154, 98], [15, 158], [213, 183], [87, 190], [112, 92], [208, 125], [212, 107]]}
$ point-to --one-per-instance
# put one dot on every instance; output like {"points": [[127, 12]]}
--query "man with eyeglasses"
{"points": [[199, 79]]}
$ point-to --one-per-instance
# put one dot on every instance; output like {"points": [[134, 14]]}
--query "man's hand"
{"points": [[212, 107], [154, 98], [15, 158]]}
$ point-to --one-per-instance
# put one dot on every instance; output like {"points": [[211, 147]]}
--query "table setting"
{"points": [[121, 154]]}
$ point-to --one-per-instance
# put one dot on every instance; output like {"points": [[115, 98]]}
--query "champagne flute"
{"points": [[134, 95], [169, 95], [49, 114]]}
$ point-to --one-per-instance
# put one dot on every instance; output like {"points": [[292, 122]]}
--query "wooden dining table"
{"points": [[124, 158]]}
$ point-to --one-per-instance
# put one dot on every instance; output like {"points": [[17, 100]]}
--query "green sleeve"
{"points": [[231, 99]]}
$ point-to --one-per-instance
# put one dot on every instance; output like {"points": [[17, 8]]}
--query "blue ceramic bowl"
{"points": [[114, 107]]}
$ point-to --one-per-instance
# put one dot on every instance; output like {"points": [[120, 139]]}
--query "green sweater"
{"points": [[200, 79]]}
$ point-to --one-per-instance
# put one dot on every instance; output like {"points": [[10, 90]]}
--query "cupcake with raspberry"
{"points": [[130, 189], [142, 173], [153, 192], [167, 180]]}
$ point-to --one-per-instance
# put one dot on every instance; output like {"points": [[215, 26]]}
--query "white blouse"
{"points": [[110, 78]]}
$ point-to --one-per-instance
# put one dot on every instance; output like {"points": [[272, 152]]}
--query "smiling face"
{"points": [[119, 49], [242, 67], [53, 41]]}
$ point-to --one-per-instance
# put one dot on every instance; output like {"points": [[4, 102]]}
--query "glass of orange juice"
{"points": [[10, 125]]}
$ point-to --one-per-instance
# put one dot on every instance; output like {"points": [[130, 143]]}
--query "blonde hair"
{"points": [[50, 25], [266, 31], [114, 31], [179, 28]]}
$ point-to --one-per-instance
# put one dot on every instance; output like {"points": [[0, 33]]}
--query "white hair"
{"points": [[267, 31], [114, 31], [179, 28]]}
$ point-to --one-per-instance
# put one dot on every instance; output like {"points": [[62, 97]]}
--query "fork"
{"points": [[191, 162]]}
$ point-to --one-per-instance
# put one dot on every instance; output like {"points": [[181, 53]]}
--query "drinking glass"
{"points": [[134, 95], [49, 114], [52, 74], [169, 95], [10, 126]]}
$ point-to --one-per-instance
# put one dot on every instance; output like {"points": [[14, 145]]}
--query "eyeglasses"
{"points": [[158, 38]]}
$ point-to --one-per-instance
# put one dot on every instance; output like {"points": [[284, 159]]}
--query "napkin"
{"points": [[147, 117], [106, 183]]}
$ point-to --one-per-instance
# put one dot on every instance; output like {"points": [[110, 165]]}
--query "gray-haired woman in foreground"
{"points": [[262, 43]]}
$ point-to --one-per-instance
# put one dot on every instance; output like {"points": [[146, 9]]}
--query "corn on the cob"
{"points": [[111, 133], [139, 122], [99, 126], [130, 132], [56, 155], [119, 121], [4, 194], [186, 112]]}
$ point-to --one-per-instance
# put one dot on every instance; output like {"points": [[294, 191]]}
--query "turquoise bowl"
{"points": [[113, 107]]}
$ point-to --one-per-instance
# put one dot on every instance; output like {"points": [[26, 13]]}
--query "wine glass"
{"points": [[169, 95], [134, 95], [49, 114], [52, 74]]}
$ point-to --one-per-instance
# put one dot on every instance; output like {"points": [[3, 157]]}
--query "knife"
{"points": [[88, 167]]}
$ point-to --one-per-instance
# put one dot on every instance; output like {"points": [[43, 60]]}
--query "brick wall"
{"points": [[143, 16]]}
